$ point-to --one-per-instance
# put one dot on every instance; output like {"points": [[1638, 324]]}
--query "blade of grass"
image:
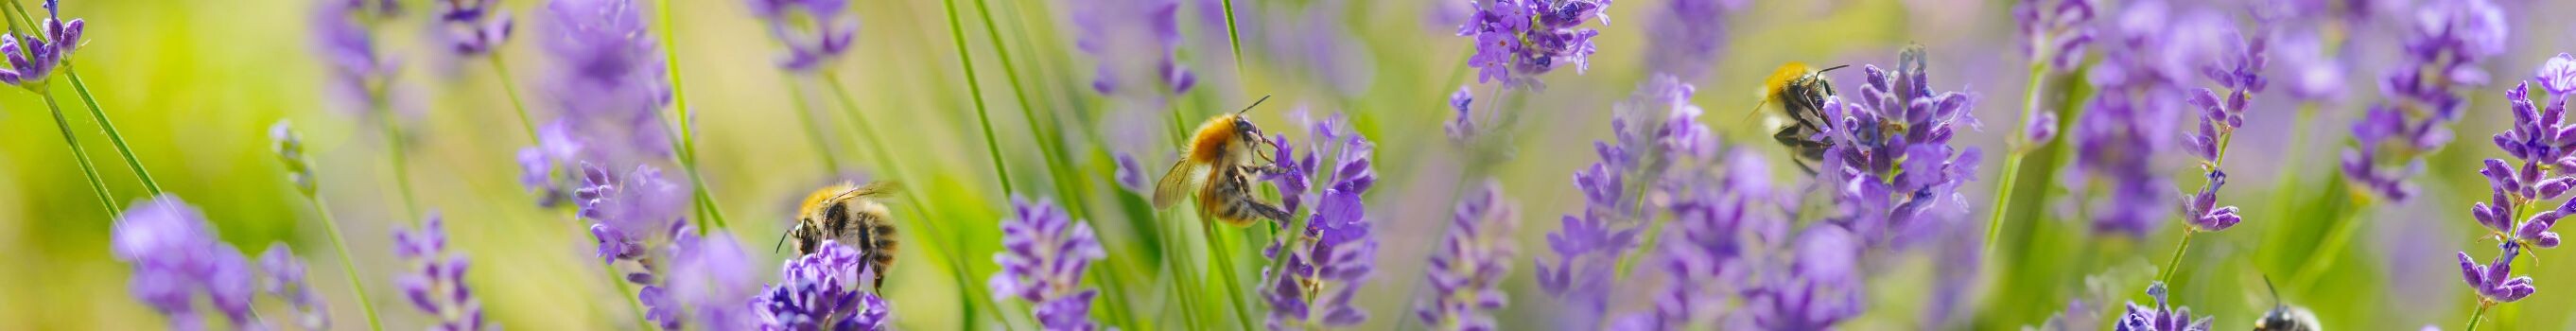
{"points": [[975, 92]]}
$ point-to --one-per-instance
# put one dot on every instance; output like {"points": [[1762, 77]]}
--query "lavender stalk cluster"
{"points": [[1468, 268], [285, 280], [2152, 51], [2054, 36], [436, 281], [1688, 35], [816, 32], [636, 218], [822, 291], [344, 34], [1590, 244], [2541, 144], [1324, 264], [33, 57], [474, 27], [1134, 42], [1896, 173], [1045, 254], [1817, 286], [177, 259], [715, 278], [2160, 317], [1712, 252], [2442, 53], [607, 80], [1518, 40], [2240, 73]]}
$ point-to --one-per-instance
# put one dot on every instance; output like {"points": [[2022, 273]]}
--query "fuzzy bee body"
{"points": [[2283, 316], [1801, 92], [1219, 170], [852, 216]]}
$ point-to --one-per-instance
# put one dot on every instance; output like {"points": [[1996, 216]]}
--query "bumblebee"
{"points": [[851, 215], [1801, 90], [2284, 317], [1219, 166]]}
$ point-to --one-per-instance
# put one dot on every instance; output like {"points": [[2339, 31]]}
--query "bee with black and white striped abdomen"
{"points": [[1219, 166], [852, 216]]}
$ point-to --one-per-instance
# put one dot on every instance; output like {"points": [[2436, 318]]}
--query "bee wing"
{"points": [[877, 189], [1178, 182]]}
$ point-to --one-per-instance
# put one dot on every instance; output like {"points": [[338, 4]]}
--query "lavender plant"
{"points": [[1592, 245], [1045, 255], [435, 283], [2160, 317], [1896, 173], [1690, 34], [283, 277], [1518, 40], [1468, 267], [822, 291], [289, 148], [816, 32], [2442, 53], [1330, 250], [176, 259], [362, 77], [2152, 51], [32, 58], [2055, 39], [635, 218], [715, 280], [2539, 141]]}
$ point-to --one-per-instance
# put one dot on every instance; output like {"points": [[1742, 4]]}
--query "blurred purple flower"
{"points": [[2055, 35], [822, 291], [175, 256], [1467, 270], [436, 282], [1587, 249], [716, 277], [289, 148], [1642, 153], [1313, 41], [2494, 282], [2160, 317], [1045, 252], [1704, 255], [1892, 163], [1131, 175], [556, 149], [285, 280], [607, 78], [1326, 266], [2147, 61], [1461, 127], [1688, 35], [1818, 288], [815, 31], [474, 27], [2558, 75], [2442, 52], [637, 218], [32, 59], [1134, 42], [1518, 40], [344, 34]]}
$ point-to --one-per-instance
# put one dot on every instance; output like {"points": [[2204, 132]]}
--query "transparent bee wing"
{"points": [[1178, 182]]}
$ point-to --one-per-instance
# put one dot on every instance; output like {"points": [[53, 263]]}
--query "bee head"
{"points": [[1243, 125]]}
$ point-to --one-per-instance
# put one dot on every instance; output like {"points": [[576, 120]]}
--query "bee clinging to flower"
{"points": [[1219, 166], [851, 215], [1801, 91]]}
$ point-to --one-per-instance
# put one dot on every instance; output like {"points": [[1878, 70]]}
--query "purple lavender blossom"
{"points": [[1587, 249], [1134, 43], [822, 291], [474, 27], [1892, 160], [2491, 281], [1590, 243], [2540, 141], [1706, 252], [2055, 35], [556, 149], [1131, 175], [175, 256], [32, 59], [344, 34], [2146, 62], [2240, 73], [815, 31], [637, 218], [1467, 271], [1461, 126], [1330, 260], [1518, 40], [2160, 317], [1820, 287], [436, 281], [607, 78], [715, 277], [1688, 36], [1045, 254], [285, 280], [2442, 52]]}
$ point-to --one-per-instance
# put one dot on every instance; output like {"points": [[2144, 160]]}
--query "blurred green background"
{"points": [[194, 85]]}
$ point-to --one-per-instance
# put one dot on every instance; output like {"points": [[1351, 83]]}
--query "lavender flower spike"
{"points": [[2540, 143], [285, 279], [607, 79], [2491, 281], [1323, 274], [32, 59], [2055, 35], [822, 291], [2160, 317], [816, 31], [1135, 42], [175, 256], [1466, 273], [2442, 52], [1045, 253], [1897, 172], [1518, 40], [637, 218], [436, 281], [1688, 35], [714, 277], [474, 27]]}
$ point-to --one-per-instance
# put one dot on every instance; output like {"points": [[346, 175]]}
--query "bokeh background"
{"points": [[194, 85]]}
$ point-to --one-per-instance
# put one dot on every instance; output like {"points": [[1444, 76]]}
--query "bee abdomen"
{"points": [[875, 237]]}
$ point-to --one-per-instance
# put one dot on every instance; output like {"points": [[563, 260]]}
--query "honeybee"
{"points": [[2283, 316], [1220, 163], [1801, 92], [851, 215]]}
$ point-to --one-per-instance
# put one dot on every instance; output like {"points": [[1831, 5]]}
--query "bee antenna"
{"points": [[2276, 292], [1255, 103], [1757, 108], [1832, 69], [782, 239]]}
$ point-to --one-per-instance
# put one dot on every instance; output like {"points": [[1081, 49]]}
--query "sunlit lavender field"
{"points": [[1396, 165]]}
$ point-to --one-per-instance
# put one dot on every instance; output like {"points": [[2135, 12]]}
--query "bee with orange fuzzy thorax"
{"points": [[1221, 164], [852, 216]]}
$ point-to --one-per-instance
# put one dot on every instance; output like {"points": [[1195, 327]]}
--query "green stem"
{"points": [[402, 165], [942, 245], [97, 187], [2175, 263], [813, 129], [2331, 250], [688, 142], [1186, 291], [1051, 150], [348, 266], [501, 71], [1224, 255], [975, 91], [1234, 38], [625, 290], [113, 137], [2004, 189], [2478, 316]]}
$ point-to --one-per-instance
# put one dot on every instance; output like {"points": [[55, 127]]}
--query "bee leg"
{"points": [[1265, 210]]}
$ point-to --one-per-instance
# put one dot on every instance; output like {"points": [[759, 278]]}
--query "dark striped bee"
{"points": [[851, 215], [1220, 164], [1801, 92], [2284, 317]]}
